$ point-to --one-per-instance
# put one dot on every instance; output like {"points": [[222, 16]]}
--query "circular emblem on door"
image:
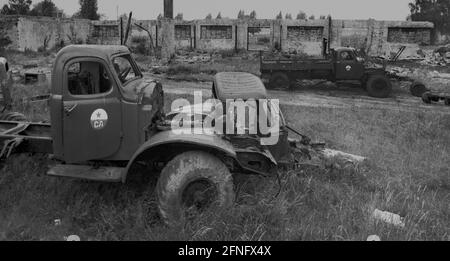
{"points": [[99, 119], [348, 68]]}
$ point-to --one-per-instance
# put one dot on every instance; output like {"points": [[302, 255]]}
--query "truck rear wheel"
{"points": [[279, 80], [418, 89], [426, 98], [193, 181], [379, 86]]}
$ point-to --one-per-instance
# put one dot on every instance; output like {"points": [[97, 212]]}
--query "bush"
{"points": [[140, 45]]}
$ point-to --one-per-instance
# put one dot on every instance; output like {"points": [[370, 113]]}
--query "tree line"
{"points": [[88, 9]]}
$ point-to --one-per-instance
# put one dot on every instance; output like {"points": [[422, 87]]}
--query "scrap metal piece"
{"points": [[317, 155], [9, 146]]}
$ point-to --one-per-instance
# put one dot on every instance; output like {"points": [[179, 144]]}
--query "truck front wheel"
{"points": [[379, 86], [193, 182], [279, 80]]}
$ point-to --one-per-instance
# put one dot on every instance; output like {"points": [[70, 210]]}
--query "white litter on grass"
{"points": [[73, 238], [389, 218], [374, 238], [57, 222]]}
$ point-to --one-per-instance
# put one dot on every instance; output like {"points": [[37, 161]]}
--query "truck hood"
{"points": [[135, 89]]}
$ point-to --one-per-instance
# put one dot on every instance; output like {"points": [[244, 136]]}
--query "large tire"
{"points": [[379, 86], [418, 89], [279, 80], [426, 98], [193, 180], [13, 116]]}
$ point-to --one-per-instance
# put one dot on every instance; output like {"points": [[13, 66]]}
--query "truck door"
{"points": [[92, 116], [347, 66]]}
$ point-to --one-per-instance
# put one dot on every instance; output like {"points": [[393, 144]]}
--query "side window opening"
{"points": [[124, 69], [88, 78]]}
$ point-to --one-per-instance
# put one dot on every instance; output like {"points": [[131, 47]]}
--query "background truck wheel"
{"points": [[279, 80], [379, 86], [12, 116], [418, 89], [193, 181], [426, 98]]}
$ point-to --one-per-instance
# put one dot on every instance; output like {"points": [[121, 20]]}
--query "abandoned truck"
{"points": [[341, 64], [106, 119]]}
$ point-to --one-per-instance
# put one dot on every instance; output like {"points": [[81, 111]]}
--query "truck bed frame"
{"points": [[25, 137]]}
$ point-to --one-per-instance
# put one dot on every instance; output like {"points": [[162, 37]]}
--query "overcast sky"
{"points": [[198, 9]]}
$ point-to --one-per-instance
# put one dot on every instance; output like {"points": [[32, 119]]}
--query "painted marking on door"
{"points": [[99, 119]]}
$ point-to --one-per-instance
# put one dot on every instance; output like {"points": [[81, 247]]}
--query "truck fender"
{"points": [[162, 140]]}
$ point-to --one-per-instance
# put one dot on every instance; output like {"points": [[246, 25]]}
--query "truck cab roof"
{"points": [[100, 51]]}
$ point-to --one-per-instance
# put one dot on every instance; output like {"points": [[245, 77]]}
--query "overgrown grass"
{"points": [[409, 175]]}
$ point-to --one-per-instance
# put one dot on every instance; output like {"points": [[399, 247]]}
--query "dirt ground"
{"points": [[407, 142]]}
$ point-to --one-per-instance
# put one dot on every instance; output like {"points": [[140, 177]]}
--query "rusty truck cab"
{"points": [[98, 104]]}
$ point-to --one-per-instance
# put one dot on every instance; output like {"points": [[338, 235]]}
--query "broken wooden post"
{"points": [[128, 29], [121, 31]]}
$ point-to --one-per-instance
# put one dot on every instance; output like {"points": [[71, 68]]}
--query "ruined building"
{"points": [[305, 36]]}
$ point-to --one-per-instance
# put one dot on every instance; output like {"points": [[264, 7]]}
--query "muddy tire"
{"points": [[426, 98], [193, 181], [13, 116], [418, 89], [379, 86], [447, 102], [279, 80]]}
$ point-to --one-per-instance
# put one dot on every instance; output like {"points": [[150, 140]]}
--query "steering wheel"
{"points": [[123, 75]]}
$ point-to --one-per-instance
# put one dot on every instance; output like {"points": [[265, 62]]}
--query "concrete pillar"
{"points": [[241, 33], [167, 38]]}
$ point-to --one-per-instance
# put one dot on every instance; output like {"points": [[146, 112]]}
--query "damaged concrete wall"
{"points": [[104, 32], [217, 34], [9, 35], [304, 36], [373, 36], [166, 37], [301, 36], [47, 33], [44, 33], [259, 35]]}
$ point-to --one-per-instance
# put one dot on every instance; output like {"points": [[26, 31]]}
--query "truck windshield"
{"points": [[125, 69]]}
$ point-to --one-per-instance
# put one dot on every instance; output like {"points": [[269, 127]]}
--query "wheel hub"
{"points": [[199, 194]]}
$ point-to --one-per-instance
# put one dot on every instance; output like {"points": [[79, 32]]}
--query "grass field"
{"points": [[409, 175]]}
